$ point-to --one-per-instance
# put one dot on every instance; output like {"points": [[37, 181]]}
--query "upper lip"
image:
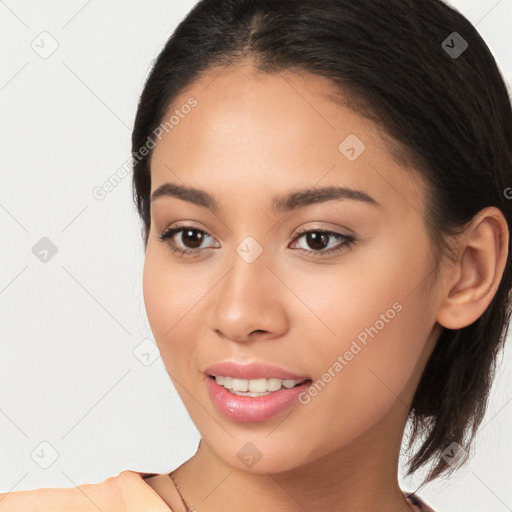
{"points": [[255, 370]]}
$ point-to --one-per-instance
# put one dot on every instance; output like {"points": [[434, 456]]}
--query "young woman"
{"points": [[324, 190]]}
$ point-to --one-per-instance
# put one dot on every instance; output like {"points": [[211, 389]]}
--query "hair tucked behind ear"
{"points": [[450, 117]]}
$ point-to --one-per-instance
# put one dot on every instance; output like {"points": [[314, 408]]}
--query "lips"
{"points": [[255, 370], [247, 409]]}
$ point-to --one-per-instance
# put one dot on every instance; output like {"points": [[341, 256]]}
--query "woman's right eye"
{"points": [[194, 237]]}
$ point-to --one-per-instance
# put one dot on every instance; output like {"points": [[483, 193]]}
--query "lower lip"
{"points": [[249, 409]]}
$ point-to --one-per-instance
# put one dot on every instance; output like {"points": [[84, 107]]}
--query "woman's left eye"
{"points": [[317, 239]]}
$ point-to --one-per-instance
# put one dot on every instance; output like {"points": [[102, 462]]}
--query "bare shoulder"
{"points": [[125, 492]]}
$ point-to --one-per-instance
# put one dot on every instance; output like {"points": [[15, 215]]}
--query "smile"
{"points": [[255, 387]]}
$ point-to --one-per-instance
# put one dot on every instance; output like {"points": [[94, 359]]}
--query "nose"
{"points": [[250, 302]]}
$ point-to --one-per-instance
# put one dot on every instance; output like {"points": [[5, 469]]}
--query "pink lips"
{"points": [[249, 409], [251, 371]]}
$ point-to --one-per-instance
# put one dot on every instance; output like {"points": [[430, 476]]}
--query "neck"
{"points": [[361, 477]]}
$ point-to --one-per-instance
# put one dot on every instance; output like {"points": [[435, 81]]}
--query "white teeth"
{"points": [[254, 387], [257, 386], [240, 384], [274, 384]]}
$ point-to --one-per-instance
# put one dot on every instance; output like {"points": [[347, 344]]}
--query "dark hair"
{"points": [[448, 115]]}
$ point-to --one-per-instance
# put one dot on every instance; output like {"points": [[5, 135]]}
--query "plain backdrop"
{"points": [[79, 400]]}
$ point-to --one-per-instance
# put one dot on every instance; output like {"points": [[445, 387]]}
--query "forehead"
{"points": [[278, 131]]}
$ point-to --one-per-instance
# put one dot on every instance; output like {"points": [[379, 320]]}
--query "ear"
{"points": [[473, 280]]}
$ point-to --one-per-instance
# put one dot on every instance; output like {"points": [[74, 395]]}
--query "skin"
{"points": [[253, 136]]}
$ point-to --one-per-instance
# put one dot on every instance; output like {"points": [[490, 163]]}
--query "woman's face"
{"points": [[351, 315]]}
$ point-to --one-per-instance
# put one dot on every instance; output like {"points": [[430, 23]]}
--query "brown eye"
{"points": [[188, 243], [192, 238], [318, 240]]}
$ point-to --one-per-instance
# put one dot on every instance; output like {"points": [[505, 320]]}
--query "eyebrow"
{"points": [[281, 204]]}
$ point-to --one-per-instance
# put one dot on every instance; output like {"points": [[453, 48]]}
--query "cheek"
{"points": [[155, 285], [379, 322], [356, 320], [169, 296], [342, 300], [362, 377]]}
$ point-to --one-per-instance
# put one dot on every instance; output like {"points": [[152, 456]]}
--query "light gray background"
{"points": [[71, 328]]}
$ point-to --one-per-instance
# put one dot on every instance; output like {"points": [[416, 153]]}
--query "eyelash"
{"points": [[167, 236]]}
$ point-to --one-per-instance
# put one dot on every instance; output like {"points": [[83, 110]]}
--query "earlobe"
{"points": [[478, 272]]}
